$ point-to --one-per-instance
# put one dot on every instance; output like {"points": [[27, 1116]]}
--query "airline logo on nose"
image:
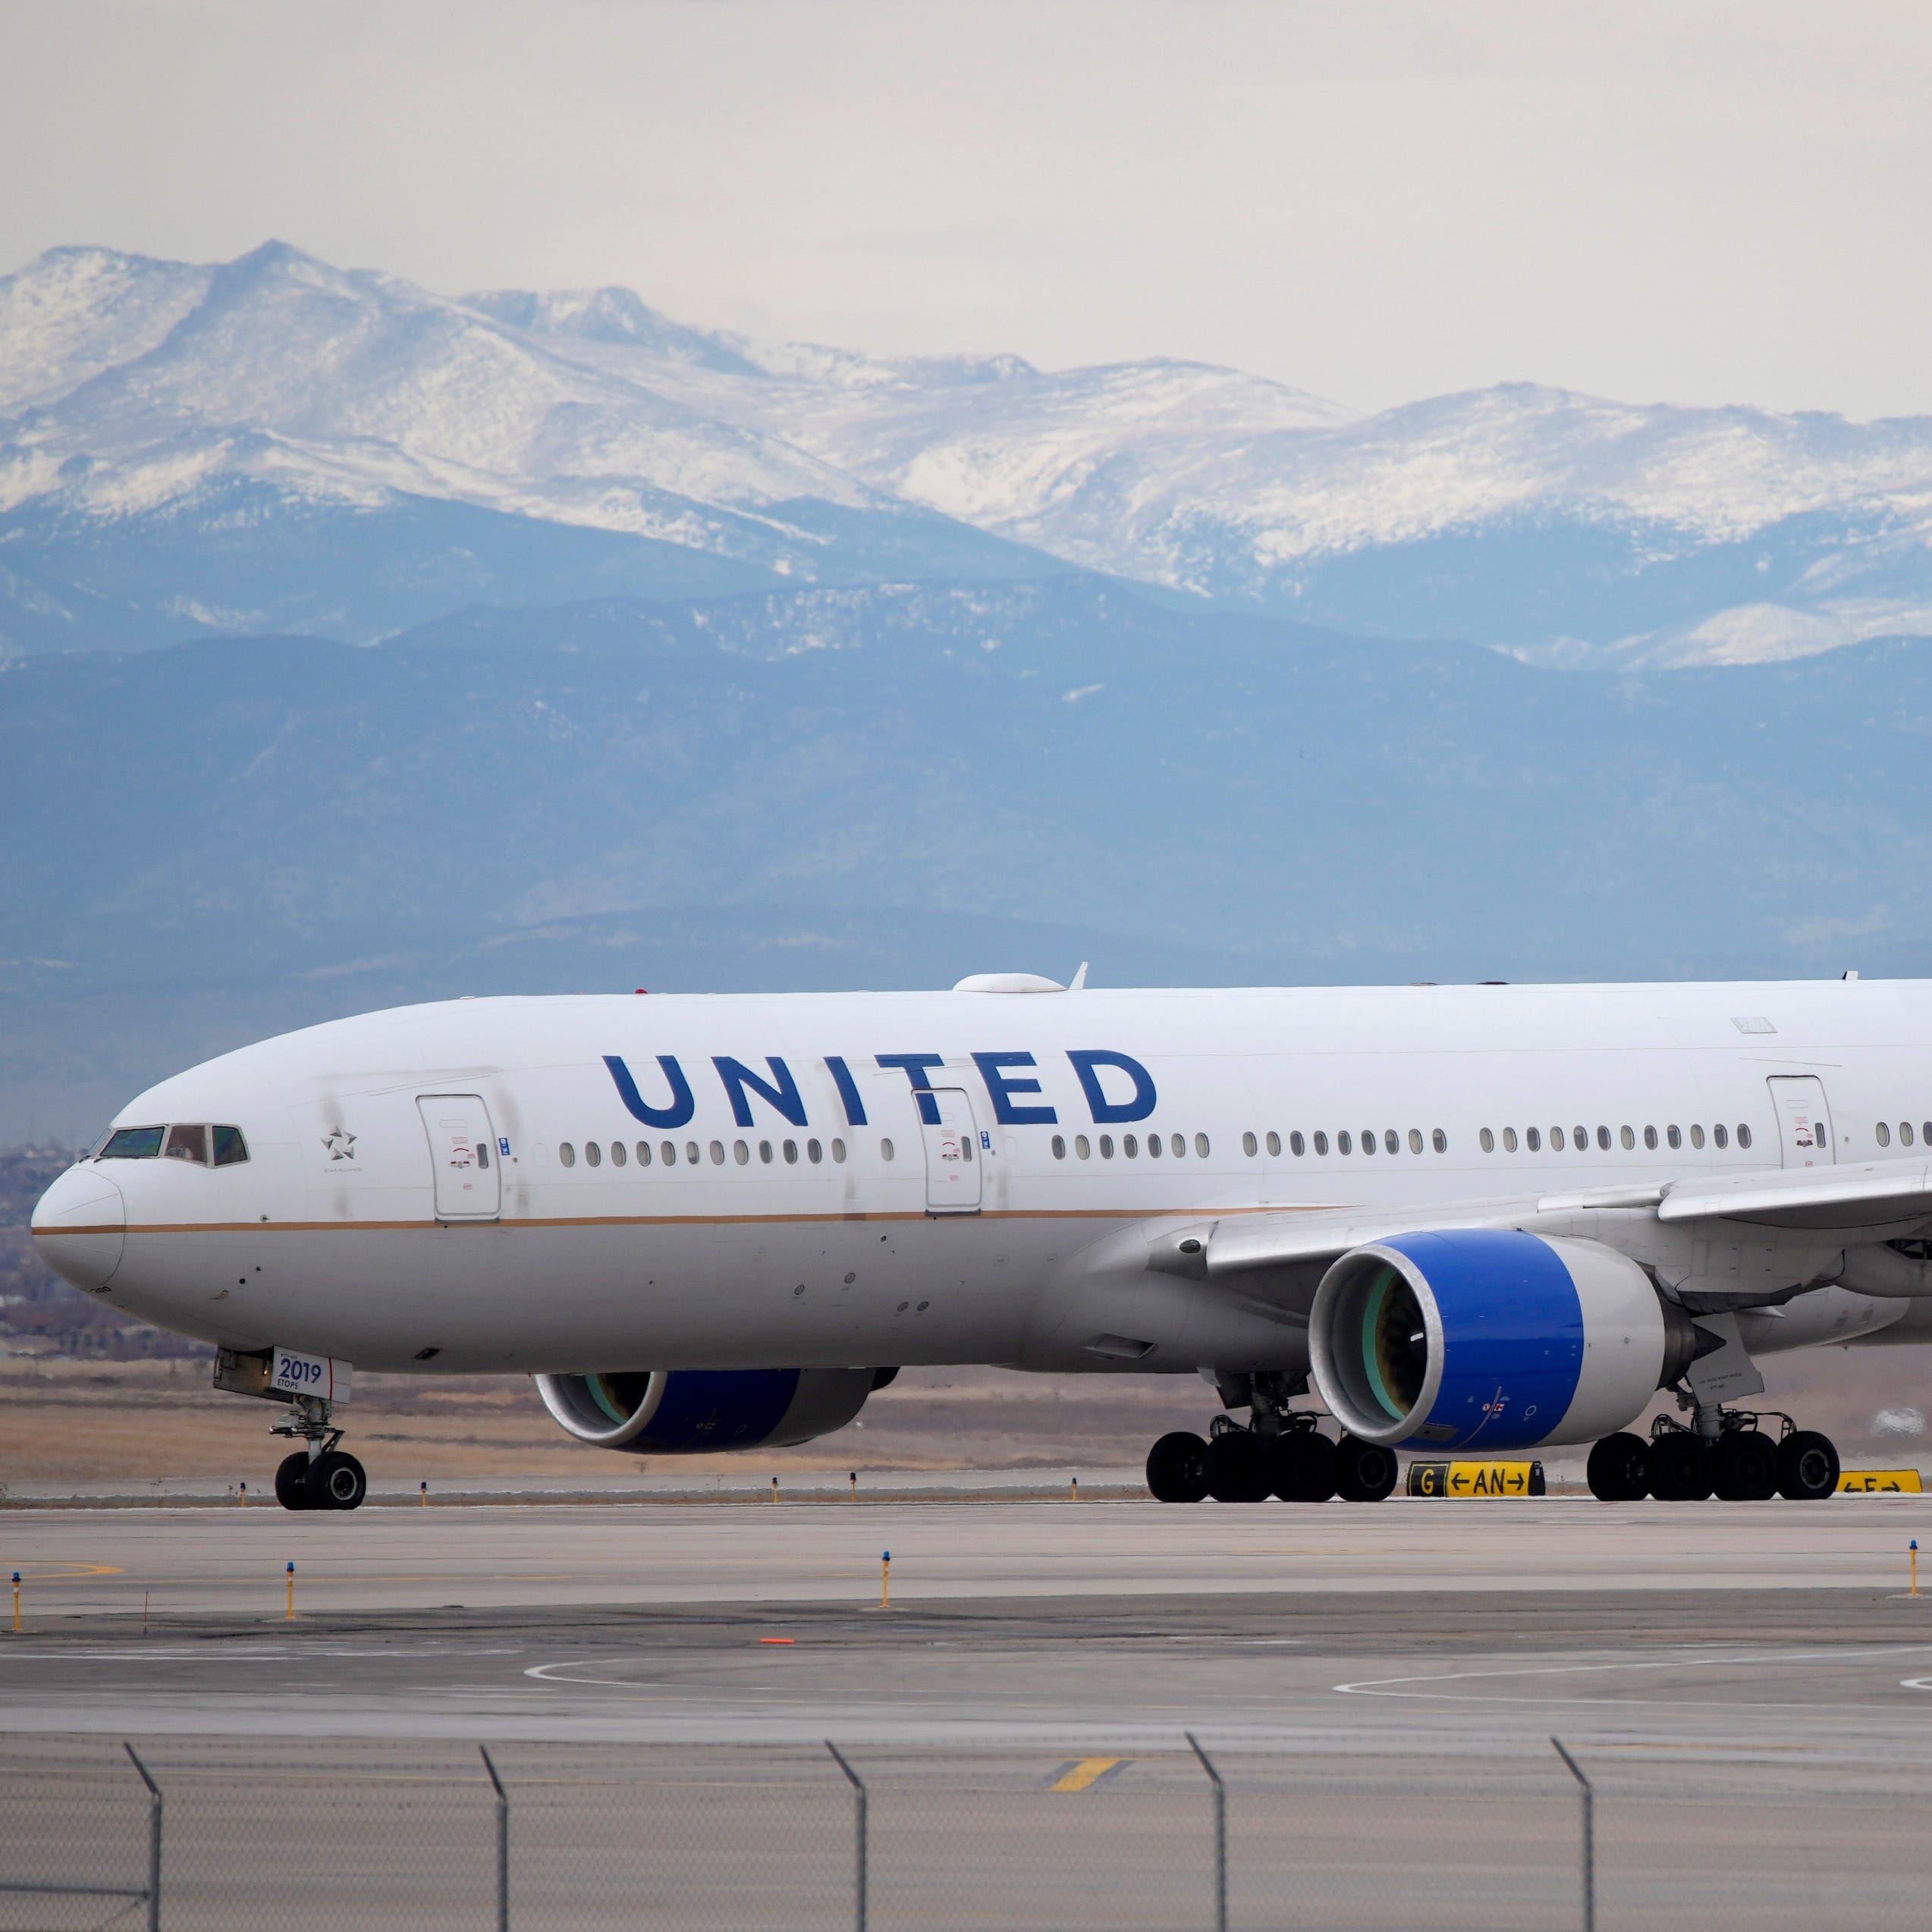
{"points": [[340, 1143]]}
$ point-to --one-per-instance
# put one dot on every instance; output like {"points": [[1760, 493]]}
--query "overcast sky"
{"points": [[1692, 202]]}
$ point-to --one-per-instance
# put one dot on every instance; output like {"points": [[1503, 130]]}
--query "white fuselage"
{"points": [[804, 1212]]}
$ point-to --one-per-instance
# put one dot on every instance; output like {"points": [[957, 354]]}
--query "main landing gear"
{"points": [[1281, 1454], [321, 1476], [1726, 1455]]}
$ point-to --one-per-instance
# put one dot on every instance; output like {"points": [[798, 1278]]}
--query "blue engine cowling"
{"points": [[1491, 1339], [699, 1411]]}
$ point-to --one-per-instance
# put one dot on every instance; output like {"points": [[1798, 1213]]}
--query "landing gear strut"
{"points": [[321, 1476], [1727, 1454]]}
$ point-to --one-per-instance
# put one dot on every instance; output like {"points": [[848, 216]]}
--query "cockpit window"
{"points": [[132, 1144], [187, 1144], [230, 1148]]}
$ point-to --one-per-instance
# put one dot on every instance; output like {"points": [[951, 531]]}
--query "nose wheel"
{"points": [[321, 1476]]}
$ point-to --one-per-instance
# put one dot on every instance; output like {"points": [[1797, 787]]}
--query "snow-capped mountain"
{"points": [[273, 443]]}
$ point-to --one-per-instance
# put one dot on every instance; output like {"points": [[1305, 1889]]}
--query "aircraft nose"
{"points": [[80, 1226]]}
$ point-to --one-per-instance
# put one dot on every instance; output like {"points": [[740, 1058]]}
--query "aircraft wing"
{"points": [[1871, 1196]]}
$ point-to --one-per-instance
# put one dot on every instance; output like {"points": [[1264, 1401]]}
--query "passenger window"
{"points": [[693, 1154], [1059, 1147], [1107, 1147], [1719, 1134], [187, 1144], [230, 1150], [1392, 1141], [1508, 1140], [1674, 1135], [643, 1153], [1487, 1141], [1629, 1139], [1650, 1137], [1177, 1145], [717, 1153], [668, 1153], [567, 1155], [132, 1144], [838, 1153], [885, 1150], [791, 1154], [1130, 1145], [1697, 1134], [1342, 1143], [1883, 1132], [1533, 1139], [1153, 1147], [619, 1154], [1082, 1146], [1580, 1139], [1439, 1141], [1321, 1142], [593, 1154], [1904, 1138], [1296, 1145], [1200, 1146], [1556, 1140], [1415, 1140], [1250, 1145], [764, 1152], [1744, 1134], [1603, 1139], [1273, 1141], [1925, 1131], [741, 1153], [1368, 1141]]}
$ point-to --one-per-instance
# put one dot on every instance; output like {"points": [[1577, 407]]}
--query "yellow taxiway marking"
{"points": [[1088, 1771], [67, 1572]]}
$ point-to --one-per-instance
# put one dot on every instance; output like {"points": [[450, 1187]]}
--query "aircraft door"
{"points": [[463, 1151], [953, 1166], [1804, 1131]]}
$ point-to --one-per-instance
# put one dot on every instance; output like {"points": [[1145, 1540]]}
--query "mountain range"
{"points": [[274, 445]]}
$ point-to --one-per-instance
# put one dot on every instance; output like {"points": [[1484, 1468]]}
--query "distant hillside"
{"points": [[897, 787], [275, 444]]}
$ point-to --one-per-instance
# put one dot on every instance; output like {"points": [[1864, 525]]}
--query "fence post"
{"points": [[154, 1839], [862, 1871], [1220, 1833], [502, 1841], [1589, 1838]]}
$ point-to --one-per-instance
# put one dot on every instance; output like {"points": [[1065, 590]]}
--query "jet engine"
{"points": [[1491, 1339], [697, 1412]]}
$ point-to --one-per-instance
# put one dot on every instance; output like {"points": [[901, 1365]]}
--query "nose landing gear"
{"points": [[321, 1476]]}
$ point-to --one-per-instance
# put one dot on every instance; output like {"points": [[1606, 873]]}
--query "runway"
{"points": [[1773, 1628]]}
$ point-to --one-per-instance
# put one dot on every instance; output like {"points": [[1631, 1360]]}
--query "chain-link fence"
{"points": [[198, 1835]]}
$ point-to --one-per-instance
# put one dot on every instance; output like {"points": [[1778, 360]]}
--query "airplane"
{"points": [[1453, 1219]]}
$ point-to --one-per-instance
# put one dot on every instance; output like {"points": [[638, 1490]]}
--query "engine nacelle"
{"points": [[699, 1411], [1491, 1338]]}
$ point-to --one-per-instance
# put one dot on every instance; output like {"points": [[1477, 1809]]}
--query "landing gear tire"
{"points": [[1237, 1466], [1177, 1467], [1744, 1466], [1619, 1469], [1807, 1466], [291, 1481], [1302, 1467], [1365, 1472], [335, 1481], [1680, 1467]]}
